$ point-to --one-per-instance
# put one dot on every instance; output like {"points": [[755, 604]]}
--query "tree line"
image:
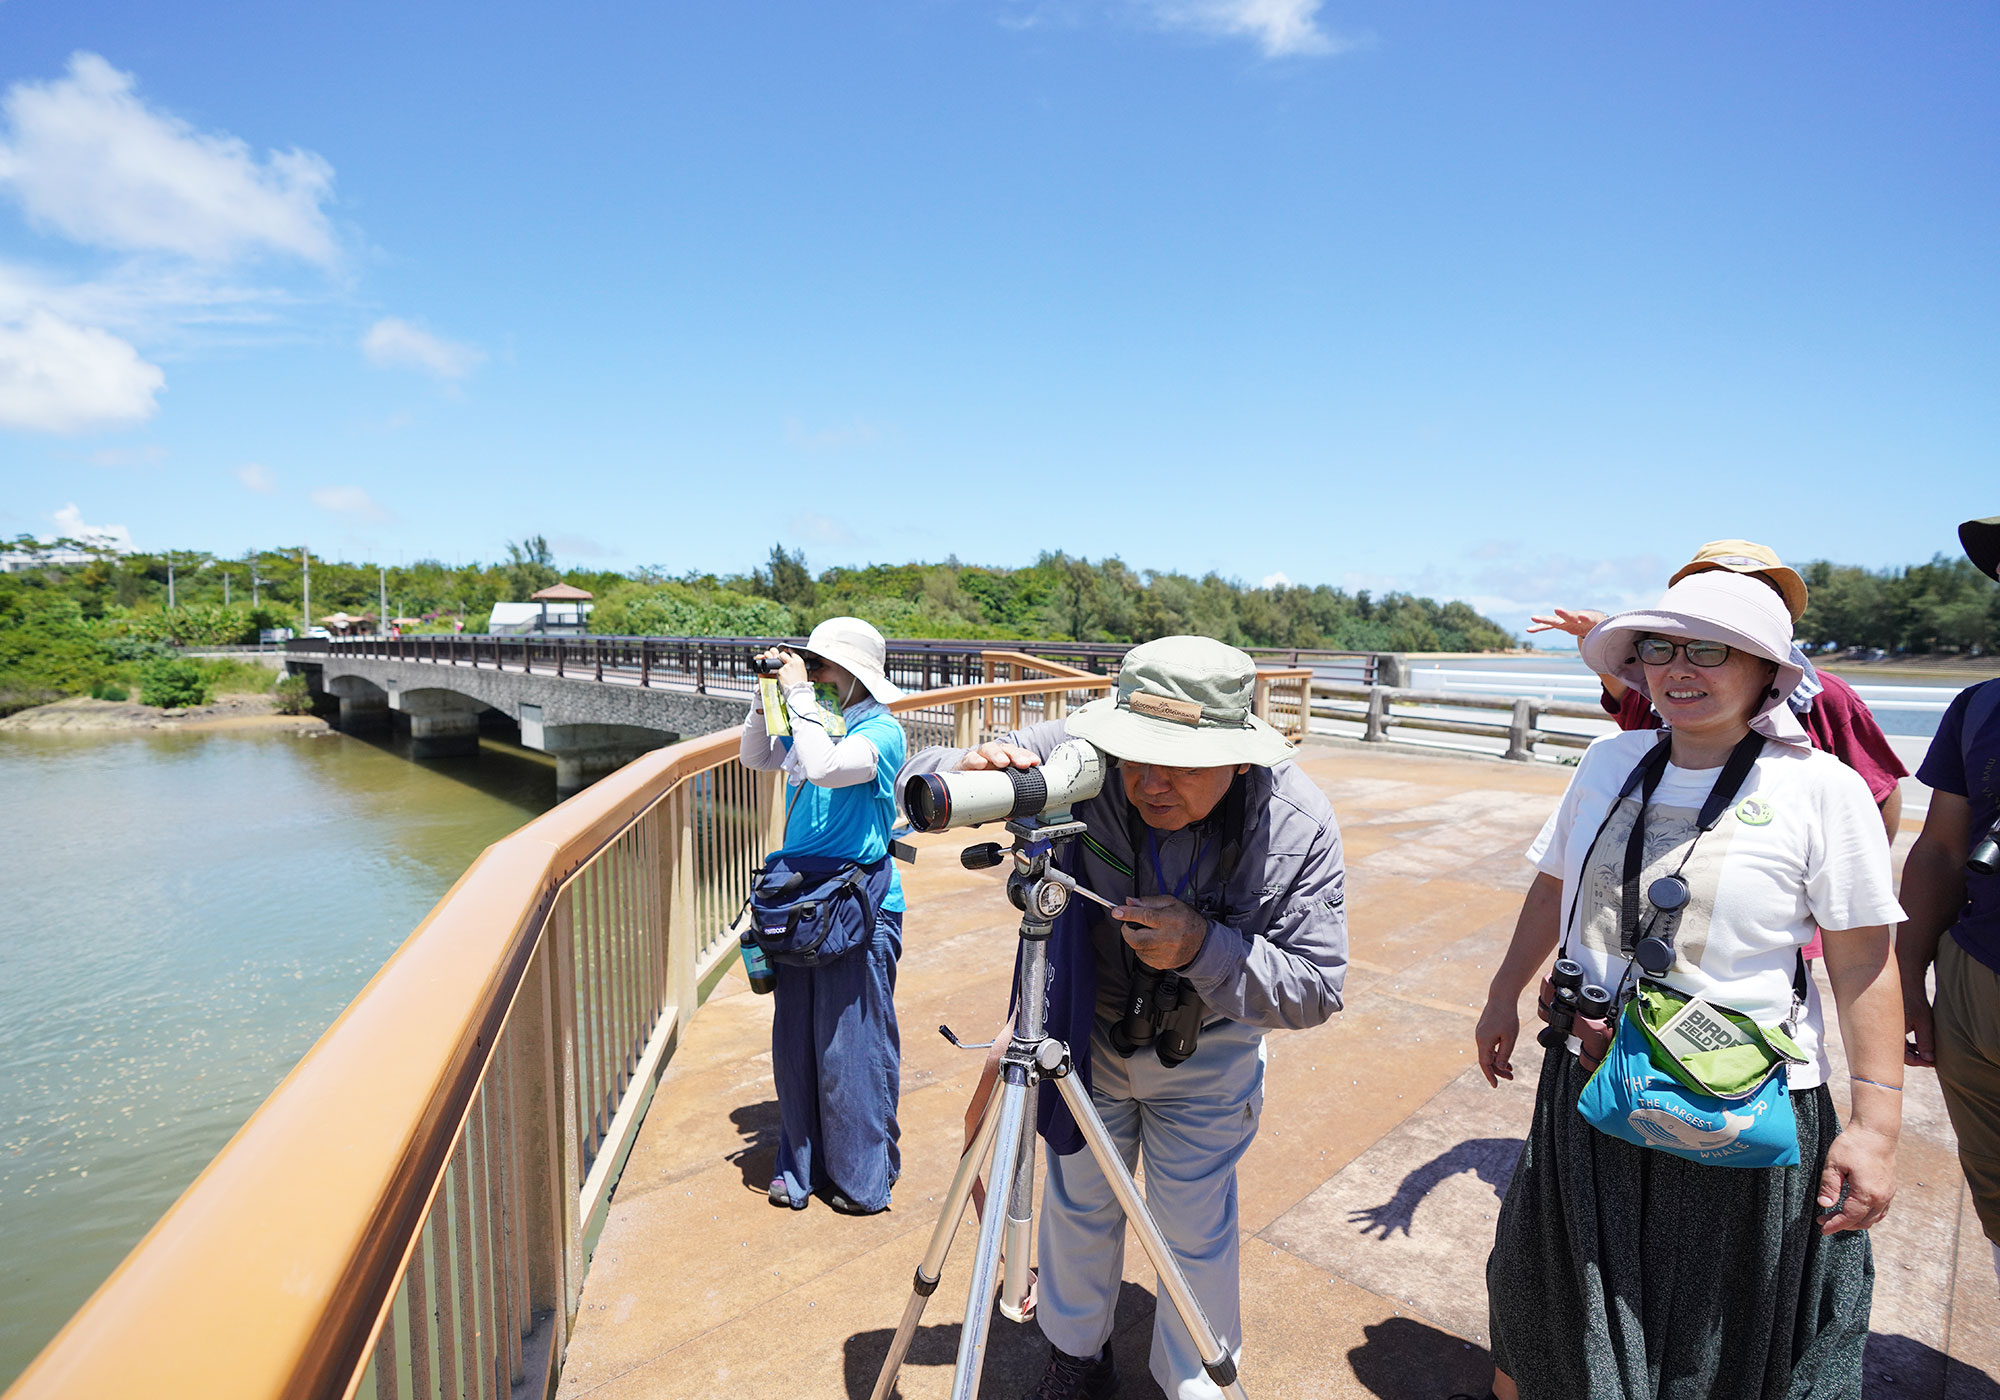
{"points": [[66, 627], [1945, 606]]}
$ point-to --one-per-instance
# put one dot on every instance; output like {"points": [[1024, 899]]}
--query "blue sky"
{"points": [[1511, 303]]}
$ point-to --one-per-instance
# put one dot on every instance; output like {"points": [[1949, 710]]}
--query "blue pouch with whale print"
{"points": [[1633, 1098]]}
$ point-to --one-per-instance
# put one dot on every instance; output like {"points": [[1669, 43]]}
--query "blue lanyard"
{"points": [[1159, 878]]}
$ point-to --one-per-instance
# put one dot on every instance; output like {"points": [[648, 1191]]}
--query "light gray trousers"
{"points": [[1193, 1123]]}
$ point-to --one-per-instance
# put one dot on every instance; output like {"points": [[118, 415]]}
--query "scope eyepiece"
{"points": [[1568, 973]]}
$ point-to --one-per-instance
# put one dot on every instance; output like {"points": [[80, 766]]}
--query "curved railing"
{"points": [[409, 1213]]}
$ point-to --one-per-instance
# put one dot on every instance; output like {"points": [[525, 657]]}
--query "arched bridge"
{"points": [[596, 703]]}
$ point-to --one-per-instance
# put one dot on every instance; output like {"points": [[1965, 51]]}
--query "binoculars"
{"points": [[765, 665], [1163, 1011], [1985, 857], [1573, 1007]]}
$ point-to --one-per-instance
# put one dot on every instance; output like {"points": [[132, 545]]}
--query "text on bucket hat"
{"points": [[1744, 557], [1187, 702]]}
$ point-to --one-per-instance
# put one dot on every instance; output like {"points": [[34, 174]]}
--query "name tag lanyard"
{"points": [[1647, 950]]}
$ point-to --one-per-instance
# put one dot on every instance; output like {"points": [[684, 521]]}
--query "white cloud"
{"points": [[814, 528], [399, 344], [60, 377], [149, 455], [833, 438], [1277, 580], [257, 477], [88, 159], [1282, 28], [69, 524], [349, 500], [580, 547]]}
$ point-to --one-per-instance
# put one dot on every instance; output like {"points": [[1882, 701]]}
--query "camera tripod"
{"points": [[1007, 1132]]}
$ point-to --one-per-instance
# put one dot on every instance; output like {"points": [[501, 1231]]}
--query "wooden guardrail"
{"points": [[410, 1213], [1521, 730]]}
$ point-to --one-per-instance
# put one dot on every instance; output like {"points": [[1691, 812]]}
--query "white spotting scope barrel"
{"points": [[936, 801]]}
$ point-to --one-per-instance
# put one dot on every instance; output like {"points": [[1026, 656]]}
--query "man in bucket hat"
{"points": [[1228, 864]]}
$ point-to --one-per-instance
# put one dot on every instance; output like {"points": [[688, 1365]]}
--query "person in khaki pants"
{"points": [[1960, 1033]]}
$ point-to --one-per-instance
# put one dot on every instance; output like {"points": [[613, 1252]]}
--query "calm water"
{"points": [[180, 917]]}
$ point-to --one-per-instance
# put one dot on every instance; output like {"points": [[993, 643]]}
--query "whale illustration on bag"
{"points": [[1659, 1126]]}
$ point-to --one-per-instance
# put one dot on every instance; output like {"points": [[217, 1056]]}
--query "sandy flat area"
{"points": [[82, 714]]}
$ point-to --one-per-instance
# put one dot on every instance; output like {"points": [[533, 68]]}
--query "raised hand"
{"points": [[1575, 623]]}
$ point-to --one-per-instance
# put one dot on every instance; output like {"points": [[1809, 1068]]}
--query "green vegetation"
{"points": [[106, 690], [66, 629], [1945, 606], [294, 696], [173, 684]]}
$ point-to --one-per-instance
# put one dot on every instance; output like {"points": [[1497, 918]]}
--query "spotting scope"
{"points": [[937, 801]]}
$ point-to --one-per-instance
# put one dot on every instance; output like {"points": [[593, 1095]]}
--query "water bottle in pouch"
{"points": [[763, 981]]}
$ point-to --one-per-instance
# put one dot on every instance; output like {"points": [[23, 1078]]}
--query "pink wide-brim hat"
{"points": [[1715, 606]]}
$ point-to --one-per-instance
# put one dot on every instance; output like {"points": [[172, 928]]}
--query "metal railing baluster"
{"points": [[471, 1374]]}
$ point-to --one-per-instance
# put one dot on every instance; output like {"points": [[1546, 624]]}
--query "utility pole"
{"points": [[170, 580], [306, 591], [382, 582]]}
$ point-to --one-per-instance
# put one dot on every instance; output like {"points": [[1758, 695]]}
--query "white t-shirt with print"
{"points": [[1802, 846]]}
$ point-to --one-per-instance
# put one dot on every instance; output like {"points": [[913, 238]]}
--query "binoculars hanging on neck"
{"points": [[1573, 1007]]}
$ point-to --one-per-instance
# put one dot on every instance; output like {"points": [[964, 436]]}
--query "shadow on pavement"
{"points": [[1015, 1351], [1899, 1367], [1492, 1159], [757, 1158], [1404, 1359]]}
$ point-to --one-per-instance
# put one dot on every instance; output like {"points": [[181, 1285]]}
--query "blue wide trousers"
{"points": [[837, 1060]]}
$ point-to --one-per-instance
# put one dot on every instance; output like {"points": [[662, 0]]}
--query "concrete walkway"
{"points": [[1368, 1197]]}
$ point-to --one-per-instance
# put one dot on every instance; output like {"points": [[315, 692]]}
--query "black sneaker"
{"points": [[1078, 1377], [841, 1205]]}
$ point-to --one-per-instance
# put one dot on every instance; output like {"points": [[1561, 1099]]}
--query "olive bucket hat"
{"points": [[1185, 702]]}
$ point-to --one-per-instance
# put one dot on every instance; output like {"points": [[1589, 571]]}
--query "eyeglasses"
{"points": [[1658, 651]]}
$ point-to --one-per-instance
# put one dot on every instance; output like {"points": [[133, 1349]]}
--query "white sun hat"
{"points": [[1712, 606], [854, 644]]}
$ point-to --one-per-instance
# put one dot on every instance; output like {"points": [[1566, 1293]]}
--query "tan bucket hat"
{"points": [[1744, 557], [1185, 702], [850, 642]]}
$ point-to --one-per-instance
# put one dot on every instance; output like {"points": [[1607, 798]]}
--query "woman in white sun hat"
{"points": [[1628, 1259], [835, 1053]]}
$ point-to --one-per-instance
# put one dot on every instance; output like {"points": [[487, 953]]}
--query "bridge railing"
{"points": [[1375, 709], [410, 1213], [721, 665]]}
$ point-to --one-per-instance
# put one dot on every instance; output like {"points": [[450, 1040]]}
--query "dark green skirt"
{"points": [[1620, 1273]]}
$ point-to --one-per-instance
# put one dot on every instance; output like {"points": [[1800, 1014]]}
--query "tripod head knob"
{"points": [[984, 856]]}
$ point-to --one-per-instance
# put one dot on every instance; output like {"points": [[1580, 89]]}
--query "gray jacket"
{"points": [[1276, 951]]}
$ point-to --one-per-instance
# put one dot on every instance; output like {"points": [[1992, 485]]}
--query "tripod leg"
{"points": [[932, 1266], [1215, 1358], [1020, 1229], [986, 1263]]}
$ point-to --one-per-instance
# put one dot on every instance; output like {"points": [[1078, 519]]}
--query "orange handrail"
{"points": [[273, 1273]]}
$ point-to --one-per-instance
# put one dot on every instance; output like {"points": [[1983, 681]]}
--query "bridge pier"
{"points": [[451, 735], [364, 706], [443, 723], [586, 752]]}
